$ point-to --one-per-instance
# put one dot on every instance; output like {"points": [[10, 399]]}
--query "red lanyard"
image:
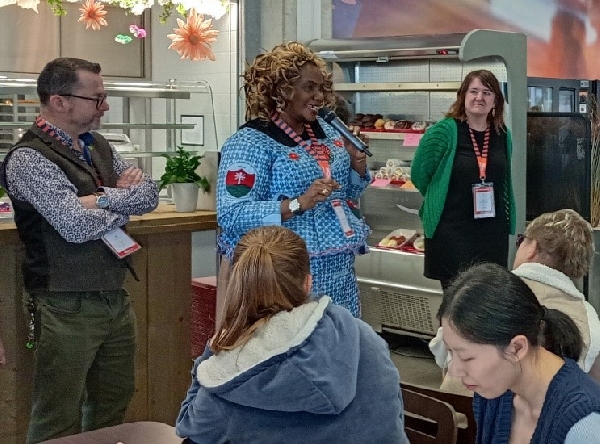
{"points": [[483, 154], [318, 151]]}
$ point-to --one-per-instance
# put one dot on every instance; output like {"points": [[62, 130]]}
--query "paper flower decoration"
{"points": [[92, 14], [123, 39], [214, 8], [193, 38], [140, 33]]}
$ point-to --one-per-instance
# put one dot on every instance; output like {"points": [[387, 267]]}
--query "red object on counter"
{"points": [[203, 312], [408, 131]]}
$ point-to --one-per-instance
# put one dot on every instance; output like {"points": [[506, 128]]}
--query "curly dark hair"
{"points": [[274, 73]]}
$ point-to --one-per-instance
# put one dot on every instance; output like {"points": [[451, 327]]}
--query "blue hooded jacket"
{"points": [[314, 374]]}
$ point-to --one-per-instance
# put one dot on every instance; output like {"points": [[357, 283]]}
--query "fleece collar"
{"points": [[549, 276], [284, 331], [554, 278]]}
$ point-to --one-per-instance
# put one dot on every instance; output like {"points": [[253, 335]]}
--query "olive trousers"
{"points": [[84, 366]]}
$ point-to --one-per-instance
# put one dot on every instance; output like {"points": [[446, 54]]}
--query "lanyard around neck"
{"points": [[318, 151], [482, 155]]}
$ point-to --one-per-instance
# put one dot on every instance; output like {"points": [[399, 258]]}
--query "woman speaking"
{"points": [[286, 166]]}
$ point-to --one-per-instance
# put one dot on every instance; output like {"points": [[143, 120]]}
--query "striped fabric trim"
{"points": [[53, 131], [314, 148]]}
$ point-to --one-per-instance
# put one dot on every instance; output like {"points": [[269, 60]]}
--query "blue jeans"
{"points": [[84, 370]]}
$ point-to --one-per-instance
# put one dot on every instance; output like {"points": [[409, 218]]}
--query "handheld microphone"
{"points": [[329, 116]]}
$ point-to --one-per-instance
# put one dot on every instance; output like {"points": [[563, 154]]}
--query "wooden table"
{"points": [[161, 303]]}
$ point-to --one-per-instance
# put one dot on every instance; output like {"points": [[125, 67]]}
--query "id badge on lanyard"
{"points": [[338, 209], [483, 193], [483, 200]]}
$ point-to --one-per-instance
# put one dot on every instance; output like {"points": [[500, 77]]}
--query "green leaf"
{"points": [[181, 168]]}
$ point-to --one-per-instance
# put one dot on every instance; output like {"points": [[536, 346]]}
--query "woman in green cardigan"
{"points": [[462, 169]]}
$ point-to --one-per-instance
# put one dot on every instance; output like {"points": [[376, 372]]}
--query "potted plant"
{"points": [[180, 173]]}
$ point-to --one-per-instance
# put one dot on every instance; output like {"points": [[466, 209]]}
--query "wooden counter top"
{"points": [[163, 219]]}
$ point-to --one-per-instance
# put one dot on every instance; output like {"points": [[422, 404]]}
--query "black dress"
{"points": [[460, 240]]}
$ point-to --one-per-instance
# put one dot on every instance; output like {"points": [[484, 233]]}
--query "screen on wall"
{"points": [[563, 36]]}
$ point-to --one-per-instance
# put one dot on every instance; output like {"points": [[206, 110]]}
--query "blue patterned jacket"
{"points": [[260, 166]]}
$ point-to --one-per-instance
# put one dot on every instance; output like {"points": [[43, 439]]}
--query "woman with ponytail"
{"points": [[283, 367], [519, 358]]}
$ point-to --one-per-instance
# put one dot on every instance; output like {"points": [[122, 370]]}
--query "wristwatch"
{"points": [[294, 206], [102, 201]]}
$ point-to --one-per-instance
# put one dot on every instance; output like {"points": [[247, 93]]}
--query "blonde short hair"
{"points": [[565, 240]]}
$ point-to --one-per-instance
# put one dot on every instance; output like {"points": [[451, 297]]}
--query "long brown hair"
{"points": [[268, 275], [496, 116], [274, 73]]}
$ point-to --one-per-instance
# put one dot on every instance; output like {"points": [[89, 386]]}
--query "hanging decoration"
{"points": [[214, 8], [193, 38], [92, 14], [123, 39], [140, 33]]}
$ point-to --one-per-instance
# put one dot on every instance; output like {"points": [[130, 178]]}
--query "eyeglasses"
{"points": [[520, 239], [99, 100]]}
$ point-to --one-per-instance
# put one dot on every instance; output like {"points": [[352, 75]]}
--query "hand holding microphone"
{"points": [[329, 116]]}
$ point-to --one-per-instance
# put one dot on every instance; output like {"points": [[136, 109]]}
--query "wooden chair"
{"points": [[462, 405], [428, 420], [145, 432]]}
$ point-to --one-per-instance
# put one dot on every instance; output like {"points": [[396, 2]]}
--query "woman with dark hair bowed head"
{"points": [[519, 358], [556, 251], [286, 166], [284, 368], [462, 169]]}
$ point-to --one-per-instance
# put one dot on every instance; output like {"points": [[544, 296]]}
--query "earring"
{"points": [[493, 112]]}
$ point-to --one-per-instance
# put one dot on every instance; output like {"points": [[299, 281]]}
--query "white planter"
{"points": [[206, 201], [185, 197]]}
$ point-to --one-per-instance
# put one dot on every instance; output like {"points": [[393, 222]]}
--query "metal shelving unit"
{"points": [[19, 106], [416, 78]]}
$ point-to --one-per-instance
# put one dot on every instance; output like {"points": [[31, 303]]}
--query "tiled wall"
{"points": [[221, 75]]}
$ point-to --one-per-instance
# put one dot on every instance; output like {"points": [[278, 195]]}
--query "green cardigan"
{"points": [[431, 169]]}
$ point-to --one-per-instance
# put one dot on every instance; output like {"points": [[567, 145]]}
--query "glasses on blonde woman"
{"points": [[520, 238]]}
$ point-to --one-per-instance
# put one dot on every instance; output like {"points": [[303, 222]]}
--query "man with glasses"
{"points": [[72, 193]]}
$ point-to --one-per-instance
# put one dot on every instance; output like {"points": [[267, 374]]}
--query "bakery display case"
{"points": [[396, 88]]}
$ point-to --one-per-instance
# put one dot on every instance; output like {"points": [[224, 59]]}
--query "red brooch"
{"points": [[338, 142], [294, 156]]}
